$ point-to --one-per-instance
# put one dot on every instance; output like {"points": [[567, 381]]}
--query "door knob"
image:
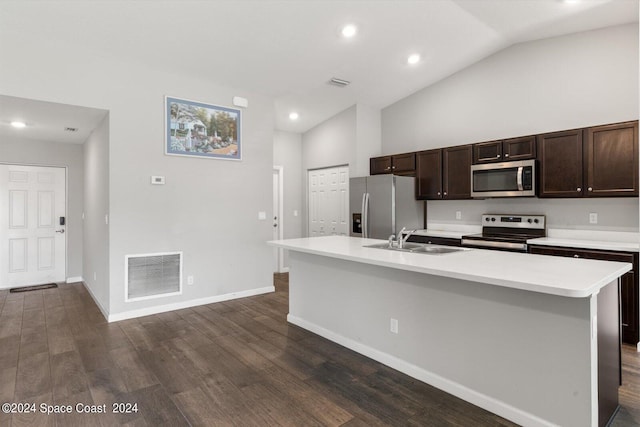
{"points": [[60, 231]]}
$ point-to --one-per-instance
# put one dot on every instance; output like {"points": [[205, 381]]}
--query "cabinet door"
{"points": [[445, 241], [379, 165], [487, 152], [629, 304], [611, 165], [629, 309], [560, 158], [403, 164], [522, 148], [429, 175], [457, 172]]}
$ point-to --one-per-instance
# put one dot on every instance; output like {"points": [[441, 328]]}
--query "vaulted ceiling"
{"points": [[289, 49]]}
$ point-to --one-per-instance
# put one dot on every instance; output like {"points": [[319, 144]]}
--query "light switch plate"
{"points": [[593, 218], [262, 215]]}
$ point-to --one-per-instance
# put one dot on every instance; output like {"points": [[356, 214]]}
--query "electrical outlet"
{"points": [[189, 280], [393, 326], [593, 218], [95, 276], [458, 215]]}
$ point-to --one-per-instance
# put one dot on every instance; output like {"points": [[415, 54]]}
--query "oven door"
{"points": [[508, 179]]}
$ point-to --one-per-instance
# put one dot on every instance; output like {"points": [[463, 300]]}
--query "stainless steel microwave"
{"points": [[506, 179]]}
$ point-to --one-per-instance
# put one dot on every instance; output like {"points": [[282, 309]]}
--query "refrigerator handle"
{"points": [[365, 215]]}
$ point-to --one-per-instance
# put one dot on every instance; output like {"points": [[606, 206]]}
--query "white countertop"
{"points": [[561, 276], [585, 239], [588, 239]]}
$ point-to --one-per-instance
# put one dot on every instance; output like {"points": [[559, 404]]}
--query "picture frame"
{"points": [[197, 129]]}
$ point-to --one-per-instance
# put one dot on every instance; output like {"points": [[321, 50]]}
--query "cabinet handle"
{"points": [[578, 189], [393, 167], [387, 168], [590, 188], [438, 193], [498, 156], [506, 155], [576, 256], [445, 193]]}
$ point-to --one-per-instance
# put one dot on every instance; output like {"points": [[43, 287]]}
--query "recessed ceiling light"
{"points": [[349, 31], [413, 59], [293, 115], [18, 125]]}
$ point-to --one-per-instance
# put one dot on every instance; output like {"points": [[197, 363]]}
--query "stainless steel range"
{"points": [[507, 232]]}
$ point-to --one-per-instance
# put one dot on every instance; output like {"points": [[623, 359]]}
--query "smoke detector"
{"points": [[339, 82]]}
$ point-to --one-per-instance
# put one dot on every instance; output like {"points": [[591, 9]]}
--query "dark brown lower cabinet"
{"points": [[629, 304], [445, 241]]}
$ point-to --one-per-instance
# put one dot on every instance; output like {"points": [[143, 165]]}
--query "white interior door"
{"points": [[32, 240], [329, 201], [278, 253]]}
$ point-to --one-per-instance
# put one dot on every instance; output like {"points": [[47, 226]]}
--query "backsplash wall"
{"points": [[614, 214]]}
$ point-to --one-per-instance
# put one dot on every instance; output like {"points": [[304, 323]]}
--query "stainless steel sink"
{"points": [[418, 248], [407, 247], [437, 250]]}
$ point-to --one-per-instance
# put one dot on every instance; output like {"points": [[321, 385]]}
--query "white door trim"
{"points": [[279, 212], [66, 209], [308, 192], [66, 205]]}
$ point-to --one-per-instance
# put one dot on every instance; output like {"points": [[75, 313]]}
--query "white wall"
{"points": [[350, 138], [287, 152], [208, 208], [553, 84], [26, 151], [368, 138], [96, 206], [331, 143]]}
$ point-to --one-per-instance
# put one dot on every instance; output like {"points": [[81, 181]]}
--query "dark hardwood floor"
{"points": [[234, 363]]}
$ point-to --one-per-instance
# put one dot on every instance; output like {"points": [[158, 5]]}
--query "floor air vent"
{"points": [[153, 275]]}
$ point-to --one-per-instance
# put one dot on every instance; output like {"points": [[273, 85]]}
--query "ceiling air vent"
{"points": [[68, 129], [339, 82]]}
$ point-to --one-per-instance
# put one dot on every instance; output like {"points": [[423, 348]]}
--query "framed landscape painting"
{"points": [[202, 130]]}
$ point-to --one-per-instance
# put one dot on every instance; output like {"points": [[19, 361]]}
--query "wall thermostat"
{"points": [[157, 180]]}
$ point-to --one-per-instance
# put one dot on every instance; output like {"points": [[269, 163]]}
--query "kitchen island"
{"points": [[534, 339]]}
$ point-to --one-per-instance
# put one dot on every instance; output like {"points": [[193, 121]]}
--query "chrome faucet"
{"points": [[400, 241]]}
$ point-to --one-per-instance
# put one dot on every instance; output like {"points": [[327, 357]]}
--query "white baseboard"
{"points": [[75, 279], [486, 402], [104, 312], [186, 304]]}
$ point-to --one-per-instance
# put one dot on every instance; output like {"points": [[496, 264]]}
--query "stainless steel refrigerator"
{"points": [[380, 205]]}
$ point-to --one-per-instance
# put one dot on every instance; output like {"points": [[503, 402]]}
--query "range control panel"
{"points": [[514, 221]]}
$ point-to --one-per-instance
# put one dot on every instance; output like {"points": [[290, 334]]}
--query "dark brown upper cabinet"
{"points": [[560, 159], [444, 173], [521, 148], [429, 174], [456, 172], [487, 152], [611, 160], [600, 161], [398, 164]]}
